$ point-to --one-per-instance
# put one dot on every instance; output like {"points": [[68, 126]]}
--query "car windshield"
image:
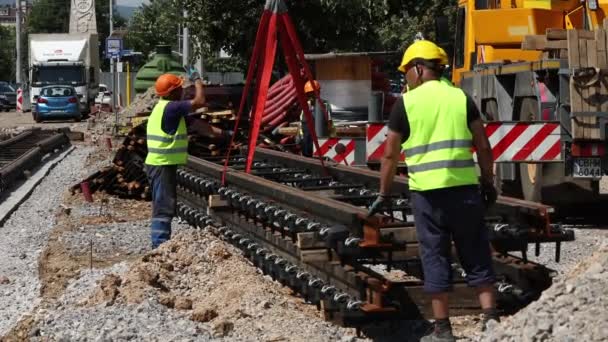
{"points": [[58, 74], [6, 89], [57, 91]]}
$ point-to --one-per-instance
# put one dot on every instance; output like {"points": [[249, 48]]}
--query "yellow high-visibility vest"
{"points": [[438, 152], [163, 148]]}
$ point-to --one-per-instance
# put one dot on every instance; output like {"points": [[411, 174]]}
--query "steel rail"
{"points": [[26, 150], [309, 228]]}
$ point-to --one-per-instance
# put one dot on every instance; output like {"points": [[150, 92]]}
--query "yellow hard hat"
{"points": [[423, 49]]}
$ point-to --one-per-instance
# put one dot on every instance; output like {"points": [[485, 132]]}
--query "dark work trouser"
{"points": [[163, 182], [452, 214]]}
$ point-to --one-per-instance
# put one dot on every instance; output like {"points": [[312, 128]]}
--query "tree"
{"points": [[323, 25], [7, 53], [154, 24]]}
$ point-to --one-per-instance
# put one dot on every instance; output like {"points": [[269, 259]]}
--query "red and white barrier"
{"points": [[339, 150], [19, 100], [511, 142]]}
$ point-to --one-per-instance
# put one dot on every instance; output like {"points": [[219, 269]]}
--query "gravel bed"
{"points": [[587, 241], [242, 304], [107, 239], [24, 236]]}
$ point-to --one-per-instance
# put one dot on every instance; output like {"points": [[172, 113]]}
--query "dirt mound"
{"points": [[196, 272]]}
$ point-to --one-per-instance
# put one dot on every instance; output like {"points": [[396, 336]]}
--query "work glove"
{"points": [[192, 73], [488, 194], [378, 204]]}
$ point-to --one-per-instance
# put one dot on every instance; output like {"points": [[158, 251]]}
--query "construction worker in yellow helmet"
{"points": [[436, 125]]}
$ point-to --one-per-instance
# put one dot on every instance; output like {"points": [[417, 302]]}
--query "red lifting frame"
{"points": [[275, 25]]}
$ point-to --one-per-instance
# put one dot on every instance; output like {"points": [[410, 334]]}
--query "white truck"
{"points": [[67, 59]]}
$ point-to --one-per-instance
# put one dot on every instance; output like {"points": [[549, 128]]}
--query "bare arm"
{"points": [[199, 96], [390, 159], [484, 151]]}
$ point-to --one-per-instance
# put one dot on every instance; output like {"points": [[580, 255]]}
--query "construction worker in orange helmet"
{"points": [[304, 136], [167, 141], [449, 204]]}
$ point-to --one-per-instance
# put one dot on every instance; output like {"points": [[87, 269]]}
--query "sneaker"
{"points": [[444, 336]]}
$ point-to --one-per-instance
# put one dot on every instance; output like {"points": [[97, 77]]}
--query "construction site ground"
{"points": [[73, 270]]}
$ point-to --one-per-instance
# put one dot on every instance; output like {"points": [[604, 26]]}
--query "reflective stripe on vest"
{"points": [[165, 149], [438, 151]]}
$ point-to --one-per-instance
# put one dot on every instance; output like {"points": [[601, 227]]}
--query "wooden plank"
{"points": [[309, 241], [602, 63], [556, 44], [314, 255], [534, 42], [538, 42], [592, 129], [575, 92], [216, 202], [591, 122], [604, 81], [584, 60], [557, 34], [344, 68]]}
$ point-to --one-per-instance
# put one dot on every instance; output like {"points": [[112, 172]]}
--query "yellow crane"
{"points": [[536, 70]]}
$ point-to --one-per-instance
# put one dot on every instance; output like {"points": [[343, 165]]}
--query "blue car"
{"points": [[57, 102]]}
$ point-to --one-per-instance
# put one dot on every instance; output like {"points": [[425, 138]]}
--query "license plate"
{"points": [[587, 168]]}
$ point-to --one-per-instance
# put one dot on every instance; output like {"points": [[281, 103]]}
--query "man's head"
{"points": [[169, 87], [309, 88], [422, 61]]}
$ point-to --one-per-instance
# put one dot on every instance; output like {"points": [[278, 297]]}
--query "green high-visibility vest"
{"points": [[163, 148], [438, 152]]}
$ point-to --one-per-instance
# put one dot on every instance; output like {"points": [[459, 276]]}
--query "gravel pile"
{"points": [[24, 236], [575, 308], [143, 103], [70, 319]]}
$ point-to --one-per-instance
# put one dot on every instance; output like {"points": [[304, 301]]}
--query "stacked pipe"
{"points": [[126, 177], [281, 109]]}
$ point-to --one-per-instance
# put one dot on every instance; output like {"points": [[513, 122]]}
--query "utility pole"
{"points": [[186, 44], [111, 31], [18, 43]]}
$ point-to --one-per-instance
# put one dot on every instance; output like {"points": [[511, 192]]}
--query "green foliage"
{"points": [[154, 24], [322, 25], [7, 53]]}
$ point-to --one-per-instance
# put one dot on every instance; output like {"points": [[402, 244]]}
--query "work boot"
{"points": [[442, 332], [487, 316]]}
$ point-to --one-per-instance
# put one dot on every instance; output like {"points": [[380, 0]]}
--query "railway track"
{"points": [[306, 226], [24, 151]]}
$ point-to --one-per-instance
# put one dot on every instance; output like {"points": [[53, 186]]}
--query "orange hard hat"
{"points": [[167, 83], [308, 87]]}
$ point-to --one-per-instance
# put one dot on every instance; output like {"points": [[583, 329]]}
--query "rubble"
{"points": [[573, 309]]}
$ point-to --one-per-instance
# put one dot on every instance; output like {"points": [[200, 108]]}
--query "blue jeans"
{"points": [[452, 214], [163, 182]]}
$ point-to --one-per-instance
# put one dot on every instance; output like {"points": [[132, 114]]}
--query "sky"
{"points": [[130, 3]]}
